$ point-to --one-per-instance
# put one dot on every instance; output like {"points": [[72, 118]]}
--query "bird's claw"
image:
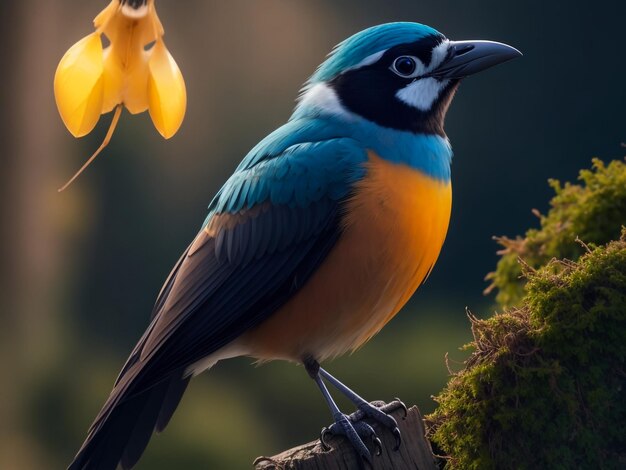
{"points": [[356, 430], [365, 430], [381, 416], [397, 403], [323, 434], [398, 435], [377, 444]]}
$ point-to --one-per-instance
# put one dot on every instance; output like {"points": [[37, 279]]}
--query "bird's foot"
{"points": [[379, 412], [358, 432]]}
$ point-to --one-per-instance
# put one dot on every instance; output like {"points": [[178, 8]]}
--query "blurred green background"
{"points": [[80, 270]]}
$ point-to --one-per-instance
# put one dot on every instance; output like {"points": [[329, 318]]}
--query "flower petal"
{"points": [[167, 96], [136, 82], [112, 80], [78, 85]]}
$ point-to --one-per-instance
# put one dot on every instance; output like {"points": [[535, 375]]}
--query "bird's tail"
{"points": [[120, 433]]}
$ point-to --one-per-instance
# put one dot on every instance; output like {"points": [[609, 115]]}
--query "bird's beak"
{"points": [[469, 57]]}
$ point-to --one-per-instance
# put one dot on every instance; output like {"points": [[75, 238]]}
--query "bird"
{"points": [[320, 236]]}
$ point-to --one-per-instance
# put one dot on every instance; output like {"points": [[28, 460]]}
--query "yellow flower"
{"points": [[135, 71]]}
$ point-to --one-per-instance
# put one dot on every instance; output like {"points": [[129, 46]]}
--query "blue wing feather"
{"points": [[268, 229]]}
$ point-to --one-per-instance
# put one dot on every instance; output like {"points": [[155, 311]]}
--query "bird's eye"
{"points": [[404, 66]]}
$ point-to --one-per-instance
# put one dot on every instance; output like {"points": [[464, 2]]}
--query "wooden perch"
{"points": [[414, 453]]}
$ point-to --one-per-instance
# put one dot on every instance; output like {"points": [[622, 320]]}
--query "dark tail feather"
{"points": [[170, 403], [122, 431]]}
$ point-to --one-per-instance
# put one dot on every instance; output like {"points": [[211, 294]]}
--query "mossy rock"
{"points": [[545, 384], [593, 211]]}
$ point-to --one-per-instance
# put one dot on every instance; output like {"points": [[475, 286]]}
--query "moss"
{"points": [[544, 386], [593, 211]]}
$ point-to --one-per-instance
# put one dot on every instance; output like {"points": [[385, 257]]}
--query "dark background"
{"points": [[80, 270]]}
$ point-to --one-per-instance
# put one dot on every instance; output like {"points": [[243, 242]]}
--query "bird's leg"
{"points": [[343, 425], [367, 409]]}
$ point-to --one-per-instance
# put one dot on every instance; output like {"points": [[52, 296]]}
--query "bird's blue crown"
{"points": [[363, 44]]}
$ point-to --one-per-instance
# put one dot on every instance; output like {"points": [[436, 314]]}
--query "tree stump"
{"points": [[414, 453]]}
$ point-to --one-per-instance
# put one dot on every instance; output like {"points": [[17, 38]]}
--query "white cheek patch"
{"points": [[438, 54], [422, 93], [320, 96]]}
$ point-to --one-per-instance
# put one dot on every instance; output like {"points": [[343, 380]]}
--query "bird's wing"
{"points": [[270, 227]]}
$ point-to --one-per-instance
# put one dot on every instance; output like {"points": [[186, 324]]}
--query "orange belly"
{"points": [[393, 231]]}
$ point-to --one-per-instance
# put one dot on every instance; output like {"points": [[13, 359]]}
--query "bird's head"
{"points": [[398, 75]]}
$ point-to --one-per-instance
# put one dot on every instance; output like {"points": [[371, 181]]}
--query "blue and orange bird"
{"points": [[321, 235]]}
